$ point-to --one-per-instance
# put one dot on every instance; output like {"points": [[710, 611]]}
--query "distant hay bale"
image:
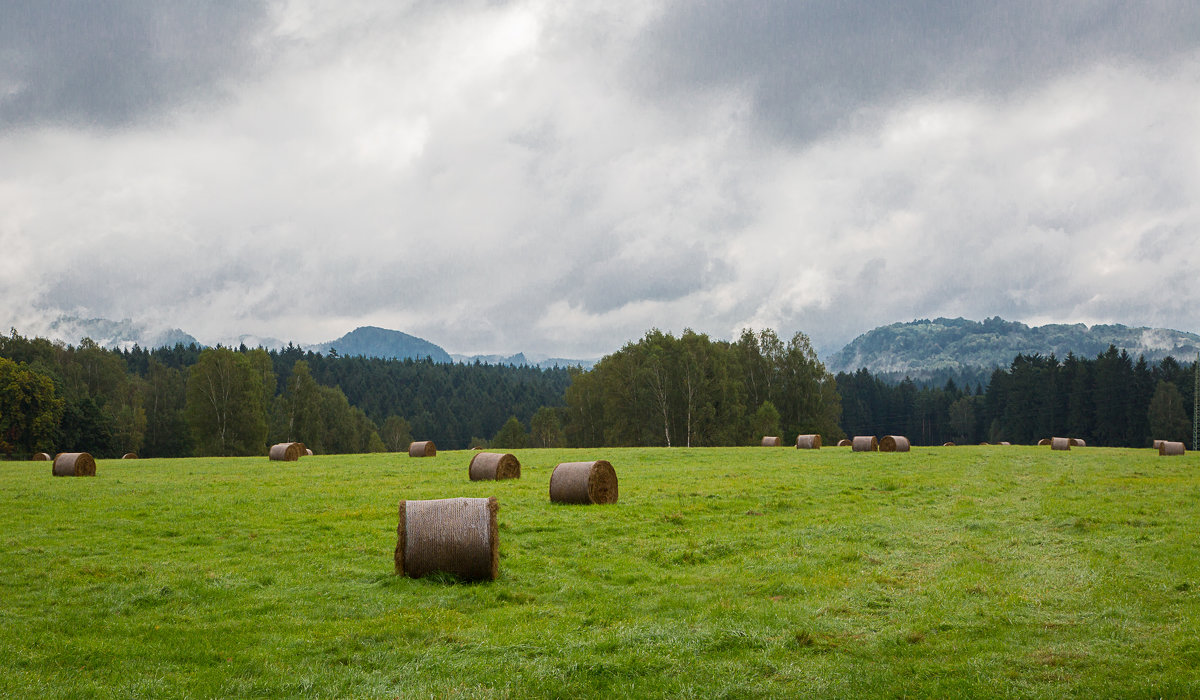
{"points": [[491, 466], [808, 442], [584, 482], [308, 452], [457, 536], [771, 441], [844, 442], [893, 443], [286, 451], [948, 444], [1170, 449], [41, 457], [1078, 442], [424, 448], [1060, 443], [129, 455], [864, 443], [1157, 444], [74, 464], [984, 443], [1043, 442], [1004, 442]]}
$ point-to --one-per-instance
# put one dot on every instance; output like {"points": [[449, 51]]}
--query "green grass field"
{"points": [[726, 572]]}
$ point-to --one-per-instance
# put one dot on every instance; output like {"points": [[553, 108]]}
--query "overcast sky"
{"points": [[558, 177]]}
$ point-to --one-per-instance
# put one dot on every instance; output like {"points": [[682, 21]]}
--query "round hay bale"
{"points": [[1060, 443], [1004, 442], [844, 442], [771, 441], [129, 455], [864, 443], [808, 442], [1157, 443], [948, 444], [308, 452], [984, 443], [424, 448], [1170, 449], [41, 457], [893, 443], [1043, 442], [1077, 442], [457, 536], [490, 466], [286, 451], [74, 464], [584, 482]]}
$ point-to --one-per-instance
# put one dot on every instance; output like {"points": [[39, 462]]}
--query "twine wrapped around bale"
{"points": [[948, 444], [490, 466], [844, 442], [584, 482], [424, 448], [1043, 442], [1060, 443], [1170, 449], [771, 441], [864, 443], [808, 442], [457, 536], [893, 443], [129, 455], [41, 457], [286, 451], [1078, 442], [74, 464]]}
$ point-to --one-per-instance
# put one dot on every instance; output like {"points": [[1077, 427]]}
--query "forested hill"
{"points": [[370, 341], [969, 350]]}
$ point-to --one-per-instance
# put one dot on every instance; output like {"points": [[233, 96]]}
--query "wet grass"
{"points": [[739, 572]]}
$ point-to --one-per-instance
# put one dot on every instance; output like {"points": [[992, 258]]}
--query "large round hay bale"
{"points": [[1060, 443], [844, 442], [1157, 444], [584, 482], [864, 443], [286, 451], [129, 455], [1078, 442], [41, 457], [1043, 442], [490, 466], [808, 442], [893, 443], [457, 536], [772, 441], [74, 464], [424, 448], [1170, 449], [948, 444]]}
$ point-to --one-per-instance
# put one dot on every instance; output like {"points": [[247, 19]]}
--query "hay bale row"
{"points": [[894, 443], [584, 483], [1170, 449], [457, 536], [286, 451], [490, 466], [772, 441], [808, 442], [422, 448], [74, 464]]}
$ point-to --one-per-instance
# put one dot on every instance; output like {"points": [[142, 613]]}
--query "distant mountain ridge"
{"points": [[372, 341], [925, 349]]}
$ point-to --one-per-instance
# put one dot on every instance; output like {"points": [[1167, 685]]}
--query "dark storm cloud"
{"points": [[812, 67], [110, 63]]}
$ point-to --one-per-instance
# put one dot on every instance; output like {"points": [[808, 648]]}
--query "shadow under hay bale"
{"points": [[41, 457], [1170, 449], [1043, 442], [490, 466], [424, 448], [584, 483], [864, 443], [74, 464], [893, 443], [771, 441], [808, 442], [1060, 443], [1077, 442], [844, 442], [129, 455], [286, 451], [457, 536]]}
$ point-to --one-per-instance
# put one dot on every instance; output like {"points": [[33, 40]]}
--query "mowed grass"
{"points": [[727, 572]]}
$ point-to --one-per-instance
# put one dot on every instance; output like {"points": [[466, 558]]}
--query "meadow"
{"points": [[721, 572]]}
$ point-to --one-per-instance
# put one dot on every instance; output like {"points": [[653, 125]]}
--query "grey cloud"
{"points": [[107, 63]]}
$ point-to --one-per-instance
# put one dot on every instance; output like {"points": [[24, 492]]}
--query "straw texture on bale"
{"points": [[1043, 442], [893, 443], [457, 536], [864, 443], [286, 451], [1078, 442], [41, 457], [1060, 443], [771, 441], [808, 442], [74, 464], [584, 482], [129, 455], [1157, 443], [844, 442], [1170, 449], [948, 444], [490, 466], [424, 448]]}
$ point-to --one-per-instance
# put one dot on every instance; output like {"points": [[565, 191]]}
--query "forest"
{"points": [[660, 390]]}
